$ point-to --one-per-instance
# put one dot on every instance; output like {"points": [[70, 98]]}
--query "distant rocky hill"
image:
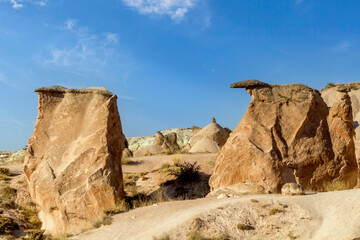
{"points": [[183, 137]]}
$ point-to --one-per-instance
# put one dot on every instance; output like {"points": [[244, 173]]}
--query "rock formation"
{"points": [[162, 145], [209, 138], [353, 90], [291, 189], [183, 136], [73, 161], [285, 137]]}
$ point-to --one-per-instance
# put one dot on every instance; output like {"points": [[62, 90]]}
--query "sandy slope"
{"points": [[332, 215]]}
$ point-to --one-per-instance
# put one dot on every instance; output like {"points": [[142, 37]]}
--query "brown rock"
{"points": [[341, 128], [73, 161], [283, 137]]}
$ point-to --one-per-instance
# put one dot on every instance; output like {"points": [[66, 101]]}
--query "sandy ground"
{"points": [[147, 163], [331, 215]]}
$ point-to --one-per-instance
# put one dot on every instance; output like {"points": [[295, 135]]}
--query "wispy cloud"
{"points": [[342, 47], [87, 54], [16, 4], [70, 24], [176, 9]]}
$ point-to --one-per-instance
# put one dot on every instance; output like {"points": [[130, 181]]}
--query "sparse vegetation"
{"points": [[186, 172], [165, 237], [274, 211], [35, 234], [335, 186], [5, 171], [7, 225], [196, 235], [244, 227], [291, 237], [330, 85]]}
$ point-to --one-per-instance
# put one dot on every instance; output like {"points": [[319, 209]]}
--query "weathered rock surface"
{"points": [[73, 161], [209, 136], [205, 145], [353, 89], [162, 145], [285, 137], [183, 136], [292, 189]]}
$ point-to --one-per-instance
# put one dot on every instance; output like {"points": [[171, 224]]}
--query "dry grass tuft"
{"points": [[274, 211], [335, 186], [244, 227]]}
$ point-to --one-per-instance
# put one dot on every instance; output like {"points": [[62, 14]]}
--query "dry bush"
{"points": [[335, 186], [186, 172], [7, 225]]}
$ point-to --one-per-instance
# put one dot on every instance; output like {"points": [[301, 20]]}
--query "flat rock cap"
{"points": [[252, 83], [60, 89]]}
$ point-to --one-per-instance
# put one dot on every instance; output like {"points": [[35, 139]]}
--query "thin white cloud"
{"points": [[86, 55], [70, 24], [16, 4], [111, 37], [342, 47], [176, 9]]}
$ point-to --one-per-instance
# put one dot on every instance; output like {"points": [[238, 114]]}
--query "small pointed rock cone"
{"points": [[285, 137], [73, 161]]}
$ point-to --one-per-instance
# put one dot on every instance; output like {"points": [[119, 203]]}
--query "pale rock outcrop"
{"points": [[183, 136], [292, 189], [285, 137], [162, 145], [209, 138], [73, 161], [126, 153], [205, 145]]}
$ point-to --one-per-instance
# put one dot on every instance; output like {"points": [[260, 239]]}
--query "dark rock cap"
{"points": [[252, 83], [60, 89]]}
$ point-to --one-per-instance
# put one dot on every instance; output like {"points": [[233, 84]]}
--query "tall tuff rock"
{"points": [[353, 90], [285, 137], [73, 161]]}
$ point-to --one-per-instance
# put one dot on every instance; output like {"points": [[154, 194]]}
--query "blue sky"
{"points": [[169, 61]]}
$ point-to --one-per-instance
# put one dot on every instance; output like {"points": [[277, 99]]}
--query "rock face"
{"points": [[353, 89], [285, 137], [162, 145], [209, 138], [73, 161], [183, 136]]}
